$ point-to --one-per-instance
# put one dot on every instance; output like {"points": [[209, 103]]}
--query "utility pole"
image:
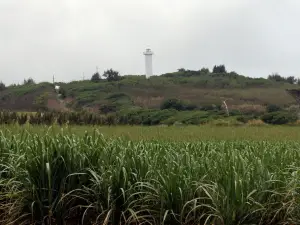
{"points": [[53, 79]]}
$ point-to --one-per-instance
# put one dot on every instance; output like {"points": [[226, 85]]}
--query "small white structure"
{"points": [[148, 62], [57, 88]]}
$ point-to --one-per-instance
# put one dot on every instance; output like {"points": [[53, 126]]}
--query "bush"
{"points": [[145, 117], [273, 108], [177, 104], [96, 77], [279, 118], [188, 118], [107, 108], [245, 118], [22, 118], [157, 116]]}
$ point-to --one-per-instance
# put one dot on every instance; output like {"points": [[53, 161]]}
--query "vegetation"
{"points": [[279, 118], [29, 81], [276, 77], [69, 179], [231, 168], [170, 114], [219, 69], [177, 104], [96, 77], [197, 87], [2, 86], [111, 75]]}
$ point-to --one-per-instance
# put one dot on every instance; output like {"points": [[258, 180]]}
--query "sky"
{"points": [[70, 38]]}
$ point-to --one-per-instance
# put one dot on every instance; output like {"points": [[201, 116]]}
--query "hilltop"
{"points": [[200, 88]]}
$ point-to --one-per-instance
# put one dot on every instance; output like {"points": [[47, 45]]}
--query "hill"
{"points": [[200, 88]]}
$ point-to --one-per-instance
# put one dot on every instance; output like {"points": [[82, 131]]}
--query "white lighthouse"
{"points": [[148, 62]]}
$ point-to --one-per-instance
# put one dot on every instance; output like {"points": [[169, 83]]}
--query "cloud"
{"points": [[69, 37]]}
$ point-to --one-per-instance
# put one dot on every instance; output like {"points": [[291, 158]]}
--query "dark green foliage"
{"points": [[278, 78], [219, 69], [145, 117], [234, 112], [212, 107], [245, 118], [279, 118], [48, 118], [195, 118], [204, 71], [136, 116], [181, 70], [7, 117], [62, 119], [190, 118], [2, 86], [35, 119], [107, 108], [273, 108], [111, 119], [41, 101], [62, 92], [111, 75], [28, 81], [96, 77], [177, 104], [291, 80], [116, 96], [22, 118], [118, 100], [155, 117]]}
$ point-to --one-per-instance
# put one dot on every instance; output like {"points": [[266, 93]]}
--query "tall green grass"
{"points": [[90, 179]]}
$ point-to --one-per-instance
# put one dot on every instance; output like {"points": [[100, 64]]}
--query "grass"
{"points": [[173, 133], [153, 175]]}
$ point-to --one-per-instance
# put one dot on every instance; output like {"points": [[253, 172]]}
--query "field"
{"points": [[171, 133], [149, 175]]}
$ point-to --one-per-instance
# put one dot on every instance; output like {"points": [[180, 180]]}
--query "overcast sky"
{"points": [[72, 37]]}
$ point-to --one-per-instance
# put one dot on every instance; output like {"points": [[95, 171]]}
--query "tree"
{"points": [[279, 118], [291, 80], [276, 77], [29, 81], [273, 108], [107, 108], [2, 86], [41, 101], [182, 70], [111, 75], [219, 69], [204, 71], [177, 104], [96, 77], [62, 92]]}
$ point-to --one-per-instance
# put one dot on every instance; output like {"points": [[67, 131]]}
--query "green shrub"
{"points": [[245, 118], [192, 117], [273, 108], [279, 118], [145, 117], [177, 104], [22, 119], [156, 116], [107, 108]]}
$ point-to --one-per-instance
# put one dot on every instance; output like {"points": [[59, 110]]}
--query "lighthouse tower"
{"points": [[148, 62]]}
